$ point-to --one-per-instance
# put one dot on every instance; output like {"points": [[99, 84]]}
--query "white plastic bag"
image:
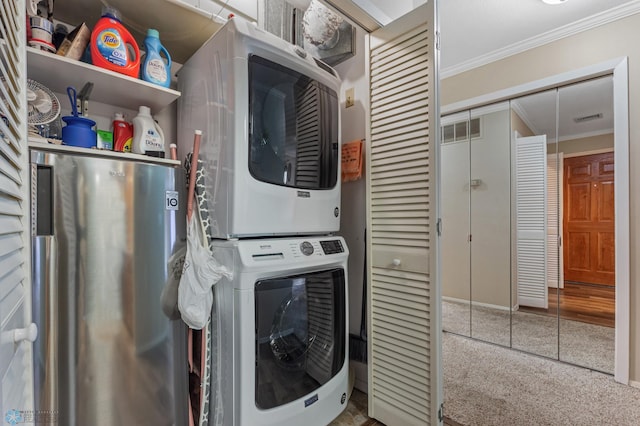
{"points": [[200, 273], [169, 296]]}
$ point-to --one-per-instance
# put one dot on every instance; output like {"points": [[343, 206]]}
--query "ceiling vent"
{"points": [[587, 118]]}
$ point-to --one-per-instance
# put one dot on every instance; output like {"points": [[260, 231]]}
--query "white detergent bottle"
{"points": [[148, 138]]}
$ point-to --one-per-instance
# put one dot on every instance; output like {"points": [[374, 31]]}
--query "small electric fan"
{"points": [[42, 105], [43, 108]]}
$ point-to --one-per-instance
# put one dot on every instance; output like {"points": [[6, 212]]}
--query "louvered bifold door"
{"points": [[404, 331], [16, 390], [555, 266], [531, 221]]}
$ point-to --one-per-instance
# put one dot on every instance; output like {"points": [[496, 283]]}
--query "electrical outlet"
{"points": [[349, 98]]}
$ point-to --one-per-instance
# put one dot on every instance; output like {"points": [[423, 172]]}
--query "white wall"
{"points": [[353, 217]]}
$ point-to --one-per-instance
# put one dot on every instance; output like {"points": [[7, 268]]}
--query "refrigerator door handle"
{"points": [[45, 315]]}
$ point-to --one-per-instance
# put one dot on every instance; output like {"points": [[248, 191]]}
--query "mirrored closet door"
{"points": [[528, 223], [476, 207]]}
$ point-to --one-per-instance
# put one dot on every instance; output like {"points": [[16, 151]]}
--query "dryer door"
{"points": [[300, 335]]}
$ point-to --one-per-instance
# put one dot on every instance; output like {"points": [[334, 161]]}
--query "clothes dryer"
{"points": [[270, 119]]}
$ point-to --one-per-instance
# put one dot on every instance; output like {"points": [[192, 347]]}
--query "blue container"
{"points": [[155, 69], [79, 132]]}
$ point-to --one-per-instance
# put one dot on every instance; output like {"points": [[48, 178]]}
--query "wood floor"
{"points": [[594, 304]]}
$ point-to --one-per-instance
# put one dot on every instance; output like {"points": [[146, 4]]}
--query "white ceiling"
{"points": [[477, 31], [540, 111]]}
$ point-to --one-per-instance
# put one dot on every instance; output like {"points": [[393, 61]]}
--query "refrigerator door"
{"points": [[103, 231]]}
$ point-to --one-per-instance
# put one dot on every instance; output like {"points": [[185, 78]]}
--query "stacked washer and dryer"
{"points": [[269, 195]]}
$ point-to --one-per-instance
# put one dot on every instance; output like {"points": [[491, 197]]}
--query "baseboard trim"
{"points": [[634, 384], [467, 302]]}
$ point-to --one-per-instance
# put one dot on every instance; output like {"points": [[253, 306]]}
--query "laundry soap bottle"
{"points": [[112, 45], [122, 134], [155, 69], [148, 138]]}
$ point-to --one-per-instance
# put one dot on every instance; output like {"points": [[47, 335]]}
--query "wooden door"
{"points": [[589, 219]]}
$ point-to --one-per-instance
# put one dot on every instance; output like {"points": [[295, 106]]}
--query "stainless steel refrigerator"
{"points": [[103, 232]]}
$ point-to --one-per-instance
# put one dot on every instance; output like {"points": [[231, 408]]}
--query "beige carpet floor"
{"points": [[583, 344], [485, 384]]}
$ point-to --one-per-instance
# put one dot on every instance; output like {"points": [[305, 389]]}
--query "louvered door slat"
{"points": [[555, 276], [405, 392], [401, 72], [409, 60], [16, 387], [403, 318], [394, 179], [384, 95], [408, 167], [400, 84], [386, 186], [399, 142], [415, 152], [399, 239], [415, 363], [401, 305], [385, 159], [399, 173], [531, 226], [394, 49], [399, 100], [396, 109], [415, 209]]}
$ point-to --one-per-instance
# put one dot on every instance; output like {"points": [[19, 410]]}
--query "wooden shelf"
{"points": [[57, 72], [39, 146]]}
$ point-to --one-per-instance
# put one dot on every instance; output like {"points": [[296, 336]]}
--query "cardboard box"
{"points": [[75, 42]]}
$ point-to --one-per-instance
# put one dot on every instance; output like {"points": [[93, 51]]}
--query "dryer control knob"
{"points": [[306, 248]]}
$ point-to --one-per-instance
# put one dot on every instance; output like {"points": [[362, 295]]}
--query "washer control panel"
{"points": [[332, 246], [306, 248], [298, 249]]}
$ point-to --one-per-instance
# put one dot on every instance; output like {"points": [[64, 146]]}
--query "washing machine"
{"points": [[280, 341]]}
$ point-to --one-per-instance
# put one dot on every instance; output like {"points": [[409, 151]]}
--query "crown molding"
{"points": [[582, 25], [517, 108]]}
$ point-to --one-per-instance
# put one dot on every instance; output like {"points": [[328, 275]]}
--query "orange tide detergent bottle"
{"points": [[113, 47]]}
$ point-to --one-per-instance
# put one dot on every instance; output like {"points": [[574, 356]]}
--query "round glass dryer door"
{"points": [[300, 335]]}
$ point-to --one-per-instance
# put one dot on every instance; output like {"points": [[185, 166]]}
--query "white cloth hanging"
{"points": [[200, 273]]}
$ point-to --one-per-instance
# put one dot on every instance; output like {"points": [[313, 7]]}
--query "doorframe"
{"points": [[618, 68]]}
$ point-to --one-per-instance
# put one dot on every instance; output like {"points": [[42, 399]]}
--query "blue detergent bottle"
{"points": [[155, 69]]}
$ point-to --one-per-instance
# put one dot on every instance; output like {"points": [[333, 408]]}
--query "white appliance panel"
{"points": [[258, 260], [215, 99]]}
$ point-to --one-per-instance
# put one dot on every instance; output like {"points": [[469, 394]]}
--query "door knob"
{"points": [[396, 262], [28, 333]]}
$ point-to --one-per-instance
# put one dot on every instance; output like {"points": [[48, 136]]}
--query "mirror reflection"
{"points": [[587, 294], [456, 257], [490, 224], [534, 325], [528, 255]]}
